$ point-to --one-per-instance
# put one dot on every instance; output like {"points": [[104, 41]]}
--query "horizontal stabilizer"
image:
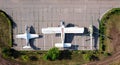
{"points": [[26, 47], [63, 45]]}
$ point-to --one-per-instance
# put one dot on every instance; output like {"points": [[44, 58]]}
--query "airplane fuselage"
{"points": [[27, 34], [62, 34]]}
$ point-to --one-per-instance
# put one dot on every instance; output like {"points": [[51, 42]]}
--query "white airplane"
{"points": [[62, 29], [27, 36]]}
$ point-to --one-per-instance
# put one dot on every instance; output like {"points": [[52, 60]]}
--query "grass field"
{"points": [[5, 31], [112, 30]]}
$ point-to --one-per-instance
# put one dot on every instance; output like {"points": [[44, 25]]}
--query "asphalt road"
{"points": [[39, 14]]}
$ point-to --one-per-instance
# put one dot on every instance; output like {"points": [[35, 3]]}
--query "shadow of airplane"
{"points": [[96, 36], [31, 41]]}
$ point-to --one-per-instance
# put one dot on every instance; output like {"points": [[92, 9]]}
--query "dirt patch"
{"points": [[115, 34]]}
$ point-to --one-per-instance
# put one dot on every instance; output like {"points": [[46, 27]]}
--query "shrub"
{"points": [[94, 58], [87, 57], [107, 54], [25, 57], [45, 56], [65, 54], [52, 54], [6, 52], [33, 58]]}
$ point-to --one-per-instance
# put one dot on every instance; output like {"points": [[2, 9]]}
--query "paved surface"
{"points": [[48, 13]]}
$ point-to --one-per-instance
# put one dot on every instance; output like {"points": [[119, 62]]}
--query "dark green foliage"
{"points": [[91, 55], [82, 52], [87, 57], [94, 58], [33, 58], [45, 57], [107, 54], [25, 57], [8, 53], [52, 54], [65, 54]]}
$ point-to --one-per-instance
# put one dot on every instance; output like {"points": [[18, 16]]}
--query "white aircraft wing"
{"points": [[51, 30], [33, 36], [21, 36], [74, 30]]}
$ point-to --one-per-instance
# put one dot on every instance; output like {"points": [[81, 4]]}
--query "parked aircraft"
{"points": [[27, 36], [62, 29]]}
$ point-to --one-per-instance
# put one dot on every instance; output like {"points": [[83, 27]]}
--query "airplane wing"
{"points": [[21, 36], [74, 30], [33, 36], [51, 30]]}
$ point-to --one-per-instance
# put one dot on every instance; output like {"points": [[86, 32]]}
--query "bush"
{"points": [[87, 57], [45, 56], [6, 52], [25, 57], [10, 53], [94, 58], [33, 58], [52, 54], [107, 54], [65, 54]]}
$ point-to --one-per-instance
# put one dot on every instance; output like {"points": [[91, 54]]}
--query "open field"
{"points": [[112, 32], [5, 30]]}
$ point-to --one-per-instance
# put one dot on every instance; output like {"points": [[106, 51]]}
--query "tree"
{"points": [[52, 54]]}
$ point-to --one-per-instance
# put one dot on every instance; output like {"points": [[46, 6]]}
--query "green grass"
{"points": [[111, 17], [5, 31]]}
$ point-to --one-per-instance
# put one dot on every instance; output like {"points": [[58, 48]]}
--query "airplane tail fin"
{"points": [[63, 45], [26, 47]]}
